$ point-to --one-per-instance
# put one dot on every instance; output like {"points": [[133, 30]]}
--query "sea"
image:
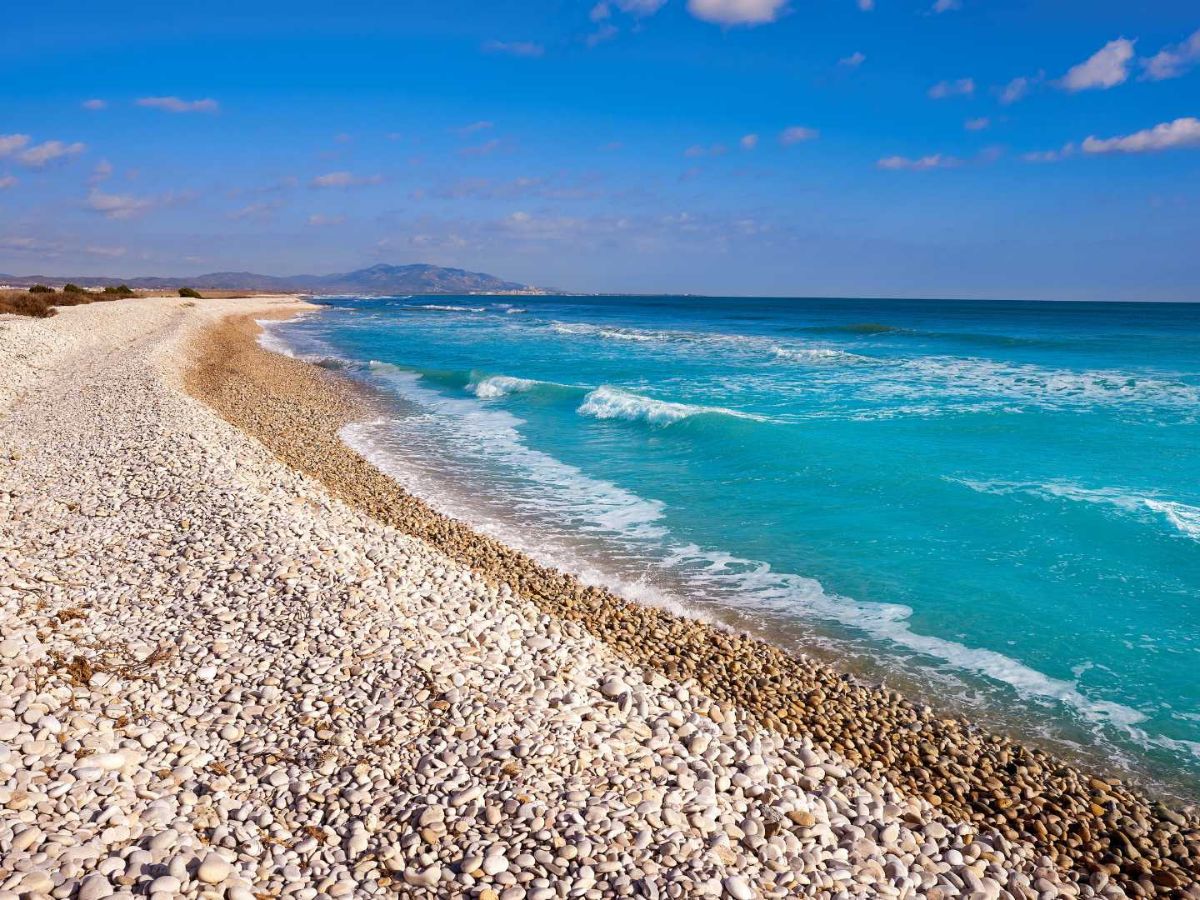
{"points": [[994, 506]]}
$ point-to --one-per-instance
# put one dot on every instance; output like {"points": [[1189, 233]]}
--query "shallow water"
{"points": [[999, 500]]}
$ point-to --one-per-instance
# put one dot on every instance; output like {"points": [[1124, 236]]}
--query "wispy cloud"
{"points": [[120, 206], [94, 104], [257, 212], [179, 105], [737, 12], [344, 180], [11, 143], [515, 48], [962, 87], [1104, 69], [48, 151], [101, 173], [109, 252], [482, 125], [1019, 88], [1173, 61], [601, 34], [1167, 136], [920, 164], [485, 149], [7, 181], [943, 6], [19, 243], [854, 60], [978, 124], [749, 141], [866, 5], [698, 150], [797, 134], [1048, 156]]}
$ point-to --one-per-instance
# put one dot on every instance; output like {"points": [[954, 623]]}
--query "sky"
{"points": [[929, 148]]}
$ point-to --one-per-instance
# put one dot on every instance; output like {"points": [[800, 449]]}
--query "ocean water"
{"points": [[994, 504]]}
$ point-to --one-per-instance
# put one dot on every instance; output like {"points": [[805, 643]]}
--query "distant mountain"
{"points": [[380, 279]]}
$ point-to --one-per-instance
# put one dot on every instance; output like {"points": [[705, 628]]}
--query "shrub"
{"points": [[70, 288], [24, 303], [121, 290], [190, 292], [41, 289]]}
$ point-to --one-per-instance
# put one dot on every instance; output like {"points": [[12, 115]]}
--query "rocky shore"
{"points": [[252, 666]]}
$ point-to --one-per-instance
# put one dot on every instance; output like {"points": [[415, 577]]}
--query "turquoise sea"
{"points": [[994, 504]]}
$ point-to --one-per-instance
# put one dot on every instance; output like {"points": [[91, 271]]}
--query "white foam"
{"points": [[817, 355], [942, 377], [443, 307], [494, 386], [614, 403], [1182, 517]]}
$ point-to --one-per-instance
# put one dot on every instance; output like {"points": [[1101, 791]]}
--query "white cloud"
{"points": [[1167, 136], [11, 143], [94, 103], [102, 172], [515, 48], [962, 87], [854, 60], [318, 220], [737, 12], [921, 164], [483, 125], [48, 151], [254, 211], [749, 141], [1106, 68], [697, 150], [106, 251], [639, 7], [941, 6], [600, 12], [1171, 62], [119, 206], [179, 105], [23, 244], [977, 124], [866, 5], [1046, 156], [344, 180], [487, 148], [7, 181], [1018, 88], [797, 134], [602, 34]]}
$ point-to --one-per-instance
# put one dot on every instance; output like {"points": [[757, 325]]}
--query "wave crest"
{"points": [[495, 386], [1182, 517], [614, 403]]}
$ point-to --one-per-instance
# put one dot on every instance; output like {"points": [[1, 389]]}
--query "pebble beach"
{"points": [[236, 661]]}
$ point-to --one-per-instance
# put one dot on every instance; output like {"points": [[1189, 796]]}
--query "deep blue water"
{"points": [[999, 501]]}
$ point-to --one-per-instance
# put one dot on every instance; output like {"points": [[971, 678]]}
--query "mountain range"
{"points": [[378, 279]]}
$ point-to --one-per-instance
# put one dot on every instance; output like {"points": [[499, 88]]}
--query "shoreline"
{"points": [[1027, 794]]}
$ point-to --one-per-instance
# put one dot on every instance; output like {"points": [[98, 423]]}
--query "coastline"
{"points": [[1075, 818], [220, 677]]}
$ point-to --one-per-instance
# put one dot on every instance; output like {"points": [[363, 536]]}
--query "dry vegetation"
{"points": [[41, 304]]}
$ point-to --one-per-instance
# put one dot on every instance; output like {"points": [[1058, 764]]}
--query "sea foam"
{"points": [[614, 403]]}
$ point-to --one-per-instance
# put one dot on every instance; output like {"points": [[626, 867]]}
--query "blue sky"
{"points": [[973, 148]]}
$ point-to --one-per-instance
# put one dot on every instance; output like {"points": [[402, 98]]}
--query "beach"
{"points": [[239, 661]]}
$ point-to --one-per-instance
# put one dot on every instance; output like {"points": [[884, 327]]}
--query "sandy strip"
{"points": [[218, 680]]}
